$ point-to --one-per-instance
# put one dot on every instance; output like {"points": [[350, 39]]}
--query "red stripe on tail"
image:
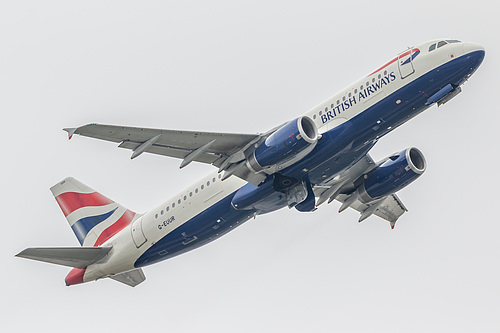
{"points": [[115, 227], [71, 201]]}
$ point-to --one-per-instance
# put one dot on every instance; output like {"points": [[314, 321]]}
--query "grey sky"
{"points": [[245, 66]]}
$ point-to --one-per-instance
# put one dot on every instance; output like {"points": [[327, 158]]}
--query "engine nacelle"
{"points": [[287, 145], [392, 175]]}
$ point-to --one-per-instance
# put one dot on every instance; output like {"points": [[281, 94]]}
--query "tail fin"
{"points": [[93, 217]]}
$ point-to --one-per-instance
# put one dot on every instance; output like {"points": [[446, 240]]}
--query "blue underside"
{"points": [[210, 224], [338, 149]]}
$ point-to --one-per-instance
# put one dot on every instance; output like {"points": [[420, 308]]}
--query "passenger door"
{"points": [[405, 64]]}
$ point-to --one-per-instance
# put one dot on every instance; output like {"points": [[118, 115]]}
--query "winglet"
{"points": [[70, 131]]}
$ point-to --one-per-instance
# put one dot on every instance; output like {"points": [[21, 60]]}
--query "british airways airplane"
{"points": [[318, 157]]}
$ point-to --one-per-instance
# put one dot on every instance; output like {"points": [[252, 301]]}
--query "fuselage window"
{"points": [[161, 212], [208, 183], [202, 187], [385, 73], [361, 88], [373, 80], [168, 208], [314, 117], [220, 175], [350, 95], [343, 98], [332, 105], [367, 84], [173, 205], [179, 201], [326, 109], [185, 197], [441, 43], [213, 180], [432, 47], [196, 191], [156, 216], [190, 194], [355, 91], [338, 102], [320, 113], [379, 76]]}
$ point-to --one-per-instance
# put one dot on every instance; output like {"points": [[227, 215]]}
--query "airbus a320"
{"points": [[318, 157]]}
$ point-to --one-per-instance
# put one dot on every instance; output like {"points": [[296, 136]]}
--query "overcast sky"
{"points": [[245, 66]]}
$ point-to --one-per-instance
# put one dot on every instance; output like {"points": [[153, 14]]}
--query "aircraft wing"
{"points": [[227, 151], [343, 189], [171, 143]]}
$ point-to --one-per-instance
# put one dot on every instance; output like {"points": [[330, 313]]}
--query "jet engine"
{"points": [[391, 176], [286, 146]]}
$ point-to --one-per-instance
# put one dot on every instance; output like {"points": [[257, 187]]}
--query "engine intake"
{"points": [[394, 174], [286, 146]]}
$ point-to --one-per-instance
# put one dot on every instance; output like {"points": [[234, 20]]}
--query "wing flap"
{"points": [[77, 257], [171, 152], [390, 209]]}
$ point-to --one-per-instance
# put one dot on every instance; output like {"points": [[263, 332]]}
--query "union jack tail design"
{"points": [[93, 217]]}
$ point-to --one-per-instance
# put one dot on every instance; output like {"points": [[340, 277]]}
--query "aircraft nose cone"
{"points": [[473, 56], [472, 47]]}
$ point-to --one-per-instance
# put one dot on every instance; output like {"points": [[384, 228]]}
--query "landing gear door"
{"points": [[137, 233], [405, 63]]}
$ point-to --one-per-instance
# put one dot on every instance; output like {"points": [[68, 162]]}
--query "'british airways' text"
{"points": [[362, 94]]}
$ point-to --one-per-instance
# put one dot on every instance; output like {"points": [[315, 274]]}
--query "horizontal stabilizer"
{"points": [[78, 257], [131, 278]]}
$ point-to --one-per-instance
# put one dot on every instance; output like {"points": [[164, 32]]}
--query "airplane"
{"points": [[318, 157]]}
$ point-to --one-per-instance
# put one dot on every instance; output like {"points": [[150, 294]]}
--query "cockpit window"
{"points": [[442, 43]]}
